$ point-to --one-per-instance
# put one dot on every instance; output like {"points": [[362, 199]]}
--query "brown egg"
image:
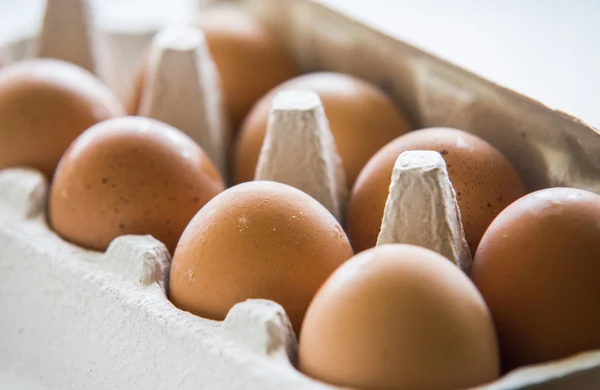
{"points": [[538, 267], [484, 180], [256, 240], [250, 57], [44, 105], [130, 175], [362, 119], [399, 317]]}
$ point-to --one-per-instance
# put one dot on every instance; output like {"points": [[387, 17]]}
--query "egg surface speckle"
{"points": [[399, 317], [44, 105], [485, 183], [538, 267], [256, 240], [130, 175]]}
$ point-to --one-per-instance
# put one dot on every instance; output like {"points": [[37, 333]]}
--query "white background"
{"points": [[547, 49]]}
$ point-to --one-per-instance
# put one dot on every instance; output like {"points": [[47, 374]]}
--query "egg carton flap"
{"points": [[78, 318]]}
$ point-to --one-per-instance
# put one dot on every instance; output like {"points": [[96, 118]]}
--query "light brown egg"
{"points": [[44, 105], [362, 119], [256, 240], [399, 317], [484, 180], [250, 57], [130, 175], [538, 267]]}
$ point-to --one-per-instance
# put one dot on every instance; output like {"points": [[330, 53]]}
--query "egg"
{"points": [[362, 119], [256, 240], [130, 175], [399, 317], [538, 268], [485, 182], [251, 58], [44, 105]]}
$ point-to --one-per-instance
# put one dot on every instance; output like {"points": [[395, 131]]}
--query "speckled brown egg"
{"points": [[399, 317], [251, 58], [130, 175], [256, 240], [361, 117], [484, 180], [44, 105], [538, 268]]}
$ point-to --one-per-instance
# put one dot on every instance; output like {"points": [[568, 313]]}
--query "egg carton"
{"points": [[74, 318]]}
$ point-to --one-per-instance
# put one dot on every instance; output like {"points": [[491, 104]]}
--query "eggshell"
{"points": [[361, 117], [251, 58], [399, 317], [130, 175], [44, 105], [484, 180], [538, 267], [256, 240]]}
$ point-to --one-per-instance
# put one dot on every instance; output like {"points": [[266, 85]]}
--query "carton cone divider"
{"points": [[182, 88], [299, 150], [421, 208], [67, 33]]}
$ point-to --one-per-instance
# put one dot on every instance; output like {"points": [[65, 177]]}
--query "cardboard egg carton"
{"points": [[74, 318]]}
